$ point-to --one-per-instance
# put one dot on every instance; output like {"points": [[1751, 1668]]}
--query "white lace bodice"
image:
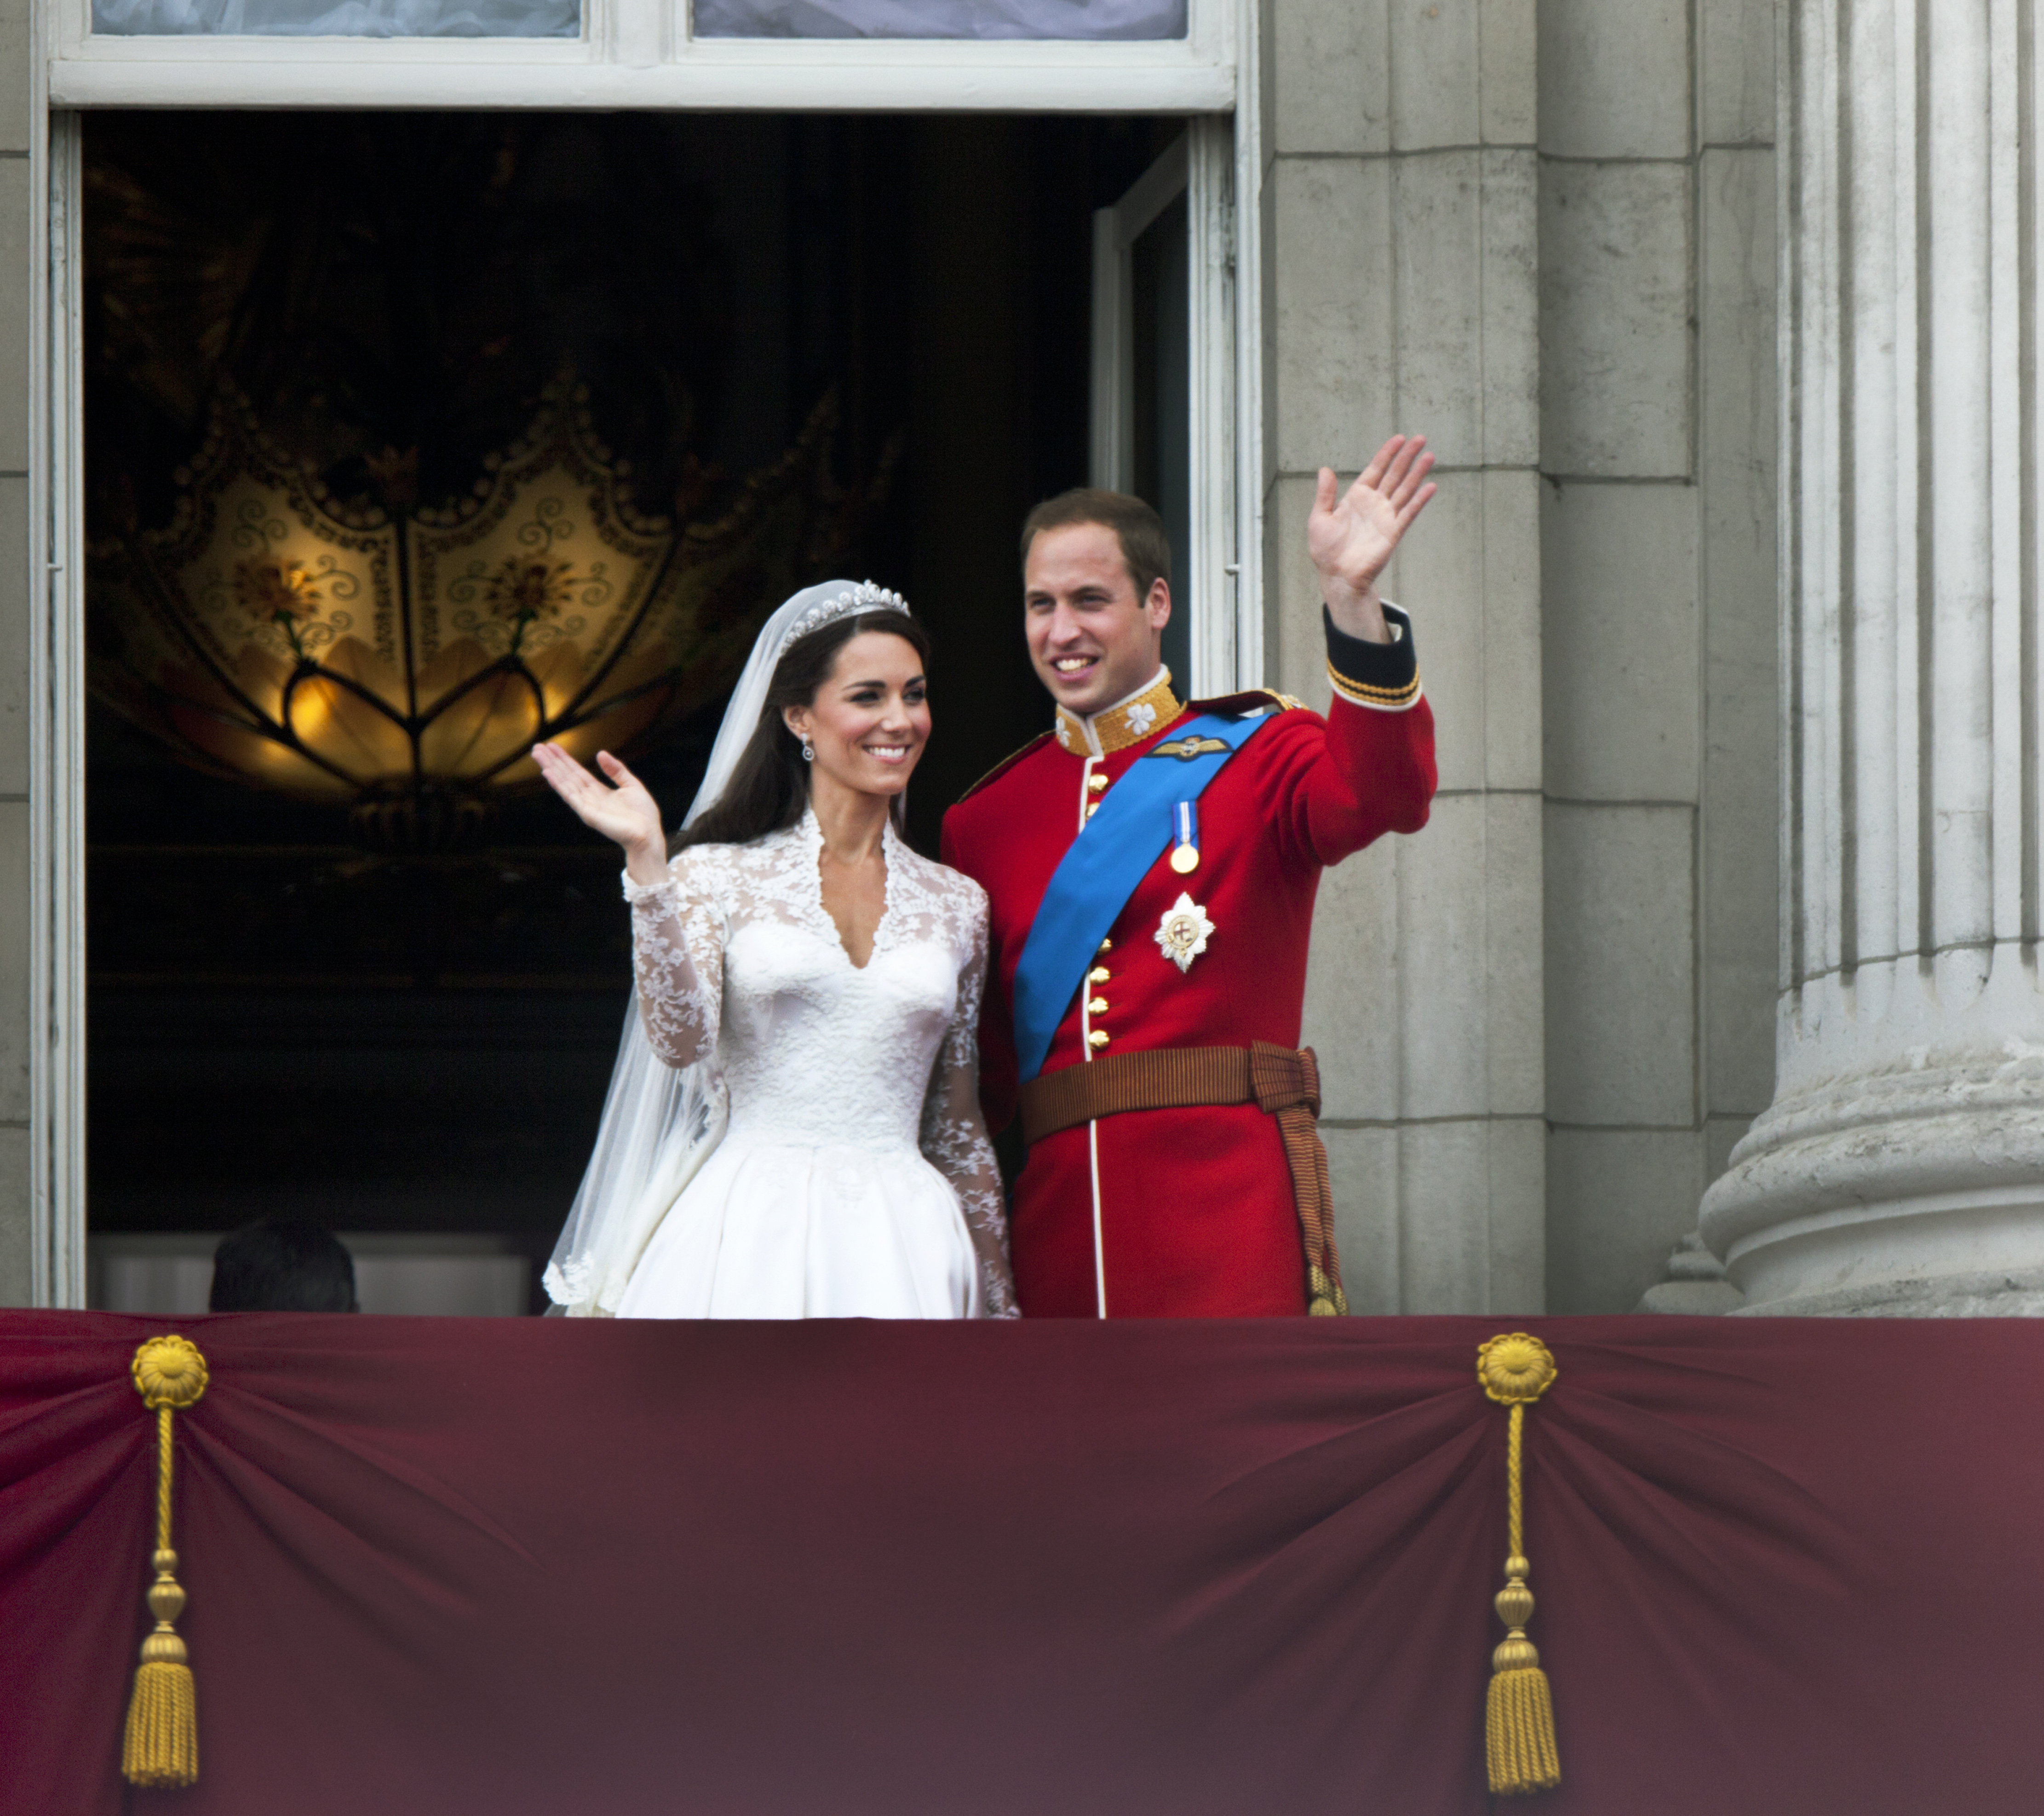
{"points": [[738, 962]]}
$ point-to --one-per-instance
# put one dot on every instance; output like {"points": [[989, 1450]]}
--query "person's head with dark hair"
{"points": [[280, 1264], [828, 691], [1139, 531], [1096, 595]]}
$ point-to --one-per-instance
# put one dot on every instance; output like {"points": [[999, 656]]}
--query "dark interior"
{"points": [[284, 1022]]}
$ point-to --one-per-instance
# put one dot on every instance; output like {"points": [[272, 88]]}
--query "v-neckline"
{"points": [[813, 829]]}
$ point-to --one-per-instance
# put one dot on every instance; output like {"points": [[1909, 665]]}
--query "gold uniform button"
{"points": [[1106, 945], [1097, 974], [1096, 783], [1098, 1006], [1098, 1037], [1093, 807]]}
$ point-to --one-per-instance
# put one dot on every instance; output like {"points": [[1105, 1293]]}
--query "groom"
{"points": [[1152, 867]]}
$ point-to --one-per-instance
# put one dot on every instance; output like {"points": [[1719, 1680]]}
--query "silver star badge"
{"points": [[1181, 935]]}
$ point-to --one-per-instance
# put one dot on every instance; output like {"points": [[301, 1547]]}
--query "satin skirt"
{"points": [[769, 1228]]}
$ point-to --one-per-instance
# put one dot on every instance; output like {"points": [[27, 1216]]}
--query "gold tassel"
{"points": [[1324, 1298], [161, 1747], [1519, 1714]]}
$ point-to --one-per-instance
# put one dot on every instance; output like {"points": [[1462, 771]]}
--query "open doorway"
{"points": [[402, 1027]]}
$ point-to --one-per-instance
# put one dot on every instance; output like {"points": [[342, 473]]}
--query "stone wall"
{"points": [[1544, 236], [1657, 257], [1400, 216], [20, 119]]}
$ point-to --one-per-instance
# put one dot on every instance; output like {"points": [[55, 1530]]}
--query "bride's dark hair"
{"points": [[771, 786]]}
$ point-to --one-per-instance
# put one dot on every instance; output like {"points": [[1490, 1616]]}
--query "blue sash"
{"points": [[1097, 874]]}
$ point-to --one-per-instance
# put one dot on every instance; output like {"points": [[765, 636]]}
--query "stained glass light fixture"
{"points": [[405, 659]]}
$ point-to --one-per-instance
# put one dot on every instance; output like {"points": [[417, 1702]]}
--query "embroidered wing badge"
{"points": [[1184, 749], [1182, 934]]}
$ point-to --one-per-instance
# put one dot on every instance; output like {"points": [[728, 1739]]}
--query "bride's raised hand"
{"points": [[621, 810]]}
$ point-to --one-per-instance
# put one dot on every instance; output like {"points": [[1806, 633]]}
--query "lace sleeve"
{"points": [[954, 1135], [677, 961]]}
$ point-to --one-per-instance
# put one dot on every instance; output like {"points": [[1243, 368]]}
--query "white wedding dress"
{"points": [[854, 1178]]}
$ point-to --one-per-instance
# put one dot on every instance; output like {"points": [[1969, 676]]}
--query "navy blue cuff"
{"points": [[1385, 676]]}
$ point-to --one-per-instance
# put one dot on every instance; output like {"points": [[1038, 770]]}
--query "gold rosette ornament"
{"points": [[1519, 1717], [161, 1747]]}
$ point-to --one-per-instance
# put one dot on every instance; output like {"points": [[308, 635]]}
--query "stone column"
{"points": [[1900, 1167]]}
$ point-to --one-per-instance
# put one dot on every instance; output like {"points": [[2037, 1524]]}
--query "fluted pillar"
{"points": [[1901, 1165]]}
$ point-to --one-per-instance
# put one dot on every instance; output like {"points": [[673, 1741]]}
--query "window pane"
{"points": [[340, 18], [1094, 19]]}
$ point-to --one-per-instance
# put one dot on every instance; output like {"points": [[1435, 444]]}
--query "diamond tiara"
{"points": [[865, 596]]}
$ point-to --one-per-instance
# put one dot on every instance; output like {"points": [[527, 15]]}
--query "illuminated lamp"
{"points": [[405, 661]]}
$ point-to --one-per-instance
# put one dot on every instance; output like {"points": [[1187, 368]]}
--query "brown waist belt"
{"points": [[1281, 1081]]}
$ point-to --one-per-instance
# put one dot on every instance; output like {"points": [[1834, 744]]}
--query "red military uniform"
{"points": [[1194, 1207]]}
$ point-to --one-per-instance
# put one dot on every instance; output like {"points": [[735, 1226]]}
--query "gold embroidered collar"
{"points": [[1126, 722]]}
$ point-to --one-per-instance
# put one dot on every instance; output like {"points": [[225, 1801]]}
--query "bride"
{"points": [[793, 1129]]}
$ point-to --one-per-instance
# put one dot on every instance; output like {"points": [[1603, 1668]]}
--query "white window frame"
{"points": [[56, 732], [640, 54], [632, 54]]}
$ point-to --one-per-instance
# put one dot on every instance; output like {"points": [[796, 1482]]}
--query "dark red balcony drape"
{"points": [[1028, 1570]]}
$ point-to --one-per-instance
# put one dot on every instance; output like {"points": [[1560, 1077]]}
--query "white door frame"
{"points": [[1204, 165], [1214, 71], [1245, 245]]}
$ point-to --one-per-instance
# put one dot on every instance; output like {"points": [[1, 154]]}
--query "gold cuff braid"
{"points": [[1361, 694]]}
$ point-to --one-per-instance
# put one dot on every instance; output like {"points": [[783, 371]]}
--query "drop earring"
{"points": [[809, 752]]}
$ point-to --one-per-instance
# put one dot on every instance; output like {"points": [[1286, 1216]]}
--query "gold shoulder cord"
{"points": [[161, 1749], [1519, 1715]]}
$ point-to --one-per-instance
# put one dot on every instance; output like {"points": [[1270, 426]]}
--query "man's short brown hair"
{"points": [[1145, 547]]}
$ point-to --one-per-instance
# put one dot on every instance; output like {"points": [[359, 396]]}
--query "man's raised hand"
{"points": [[1352, 535], [625, 812]]}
